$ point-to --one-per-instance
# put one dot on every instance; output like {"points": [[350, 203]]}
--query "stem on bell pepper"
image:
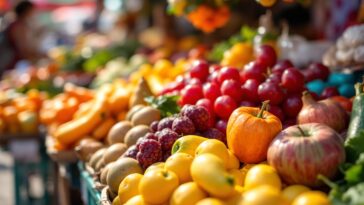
{"points": [[263, 108]]}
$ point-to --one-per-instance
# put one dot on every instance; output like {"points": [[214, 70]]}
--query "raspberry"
{"points": [[213, 133], [183, 126], [167, 138], [198, 115], [165, 123], [149, 153], [154, 126], [151, 136], [131, 152]]}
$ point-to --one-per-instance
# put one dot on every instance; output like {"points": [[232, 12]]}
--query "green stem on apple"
{"points": [[263, 108], [301, 131]]}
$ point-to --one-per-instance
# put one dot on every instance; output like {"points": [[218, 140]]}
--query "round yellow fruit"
{"points": [[129, 187], [233, 161], [116, 201], [238, 176], [215, 147], [262, 174], [158, 185], [312, 198], [245, 170], [210, 201], [136, 200], [264, 195], [180, 164], [235, 200], [209, 172], [158, 165], [293, 191], [188, 193]]}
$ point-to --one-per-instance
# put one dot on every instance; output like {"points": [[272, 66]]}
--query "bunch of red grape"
{"points": [[222, 89]]}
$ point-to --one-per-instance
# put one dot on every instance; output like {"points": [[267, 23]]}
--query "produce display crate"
{"points": [[30, 163], [90, 195]]}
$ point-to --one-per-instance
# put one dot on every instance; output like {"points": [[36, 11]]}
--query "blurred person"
{"points": [[20, 39]]}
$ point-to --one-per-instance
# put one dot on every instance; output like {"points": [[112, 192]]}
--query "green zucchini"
{"points": [[355, 136]]}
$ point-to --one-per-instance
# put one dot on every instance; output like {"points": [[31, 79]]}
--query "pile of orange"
{"points": [[20, 115], [208, 19]]}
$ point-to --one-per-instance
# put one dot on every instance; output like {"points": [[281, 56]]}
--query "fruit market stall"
{"points": [[263, 117]]}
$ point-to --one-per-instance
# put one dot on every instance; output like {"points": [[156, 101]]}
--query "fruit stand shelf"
{"points": [[90, 195]]}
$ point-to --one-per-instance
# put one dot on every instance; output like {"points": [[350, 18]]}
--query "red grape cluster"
{"points": [[222, 89]]}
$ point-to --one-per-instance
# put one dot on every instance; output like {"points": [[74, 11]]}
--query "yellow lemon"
{"points": [[215, 147], [158, 165], [233, 161], [210, 201], [312, 198], [188, 193], [187, 144], [238, 176], [291, 192], [180, 164], [208, 171], [264, 195], [158, 185], [245, 170], [116, 201], [235, 200], [262, 174], [128, 188], [136, 200]]}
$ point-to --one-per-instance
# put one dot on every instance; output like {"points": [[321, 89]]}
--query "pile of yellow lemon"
{"points": [[204, 172]]}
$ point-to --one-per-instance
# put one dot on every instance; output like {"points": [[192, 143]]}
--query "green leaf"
{"points": [[360, 159], [355, 174], [167, 104], [354, 146], [248, 33], [217, 52], [355, 195]]}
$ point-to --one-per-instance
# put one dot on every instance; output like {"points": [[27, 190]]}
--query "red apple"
{"points": [[301, 152]]}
